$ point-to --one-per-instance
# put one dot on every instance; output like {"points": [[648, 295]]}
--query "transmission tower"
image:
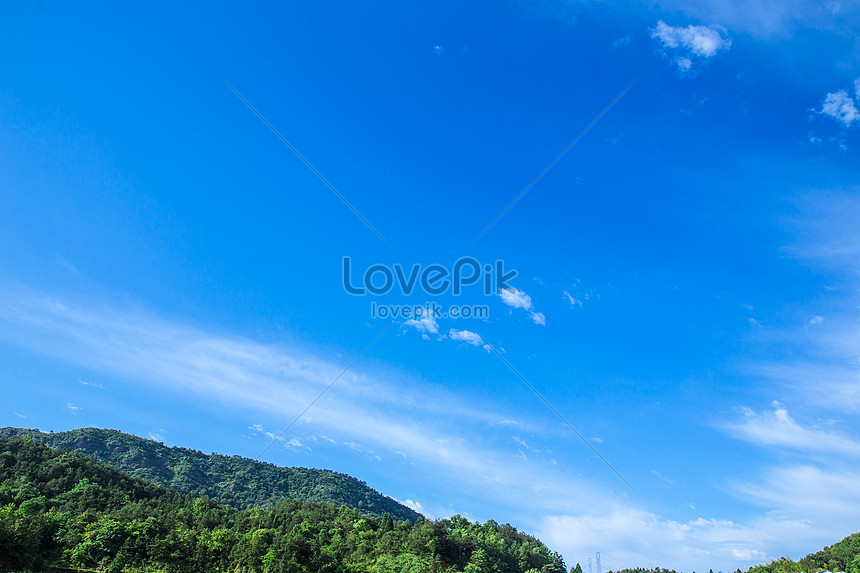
{"points": [[589, 566], [599, 570]]}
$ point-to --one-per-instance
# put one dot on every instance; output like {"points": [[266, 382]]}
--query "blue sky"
{"points": [[687, 287]]}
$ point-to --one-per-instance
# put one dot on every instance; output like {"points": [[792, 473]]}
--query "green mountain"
{"points": [[61, 510], [240, 482]]}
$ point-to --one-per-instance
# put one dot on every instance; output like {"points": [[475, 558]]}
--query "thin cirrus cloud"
{"points": [[824, 478], [243, 374], [778, 428], [770, 18], [691, 43]]}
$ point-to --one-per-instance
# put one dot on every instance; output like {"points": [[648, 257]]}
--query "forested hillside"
{"points": [[236, 481], [63, 509], [842, 556]]}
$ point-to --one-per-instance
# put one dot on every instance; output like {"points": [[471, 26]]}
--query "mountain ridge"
{"points": [[64, 512], [234, 480]]}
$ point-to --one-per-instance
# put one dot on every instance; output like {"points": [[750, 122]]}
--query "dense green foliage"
{"points": [[61, 508], [842, 556], [236, 481]]}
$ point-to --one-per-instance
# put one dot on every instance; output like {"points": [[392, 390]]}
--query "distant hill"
{"points": [[841, 556], [62, 511], [240, 482]]}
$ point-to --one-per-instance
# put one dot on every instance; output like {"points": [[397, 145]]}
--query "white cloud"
{"points": [[93, 384], [265, 379], [415, 505], [840, 107], [427, 322], [19, 415], [519, 299], [700, 42], [778, 428], [296, 443], [805, 492], [515, 298], [156, 437], [72, 408], [469, 337], [640, 536]]}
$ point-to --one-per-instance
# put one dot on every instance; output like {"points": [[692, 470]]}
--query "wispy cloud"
{"points": [[72, 408], [468, 337], [806, 490], [426, 324], [273, 381], [637, 533], [778, 428], [93, 384], [519, 299], [816, 467]]}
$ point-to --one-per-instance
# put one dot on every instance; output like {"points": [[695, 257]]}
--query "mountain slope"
{"points": [[236, 481], [63, 509]]}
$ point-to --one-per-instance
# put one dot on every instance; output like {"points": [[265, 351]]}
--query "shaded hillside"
{"points": [[63, 509], [236, 481]]}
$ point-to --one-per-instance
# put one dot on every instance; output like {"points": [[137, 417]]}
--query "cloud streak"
{"points": [[778, 428]]}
